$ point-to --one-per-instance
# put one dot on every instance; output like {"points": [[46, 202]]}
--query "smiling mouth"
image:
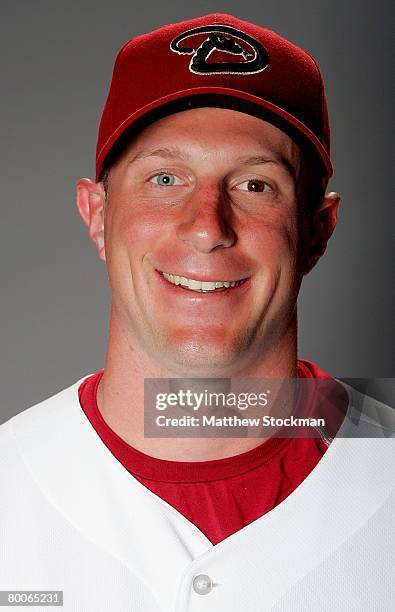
{"points": [[201, 286]]}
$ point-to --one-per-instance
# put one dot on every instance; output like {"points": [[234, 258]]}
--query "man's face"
{"points": [[206, 195]]}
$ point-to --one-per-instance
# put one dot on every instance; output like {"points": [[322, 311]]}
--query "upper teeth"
{"points": [[197, 285]]}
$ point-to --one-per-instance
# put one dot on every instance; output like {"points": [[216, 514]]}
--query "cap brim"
{"points": [[286, 119]]}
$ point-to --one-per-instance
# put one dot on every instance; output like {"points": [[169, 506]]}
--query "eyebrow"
{"points": [[255, 160], [164, 152], [273, 158]]}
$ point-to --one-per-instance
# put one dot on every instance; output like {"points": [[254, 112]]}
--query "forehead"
{"points": [[228, 133]]}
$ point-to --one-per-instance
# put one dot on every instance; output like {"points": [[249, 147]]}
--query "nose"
{"points": [[206, 221]]}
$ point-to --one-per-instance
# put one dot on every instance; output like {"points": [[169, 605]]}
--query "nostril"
{"points": [[206, 233]]}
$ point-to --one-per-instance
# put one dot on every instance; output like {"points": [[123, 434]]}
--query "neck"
{"points": [[120, 394]]}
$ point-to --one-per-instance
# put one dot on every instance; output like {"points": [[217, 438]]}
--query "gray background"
{"points": [[57, 59]]}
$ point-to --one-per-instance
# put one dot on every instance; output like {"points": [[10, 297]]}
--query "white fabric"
{"points": [[73, 519]]}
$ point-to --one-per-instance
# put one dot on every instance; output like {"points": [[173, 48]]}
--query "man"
{"points": [[208, 208]]}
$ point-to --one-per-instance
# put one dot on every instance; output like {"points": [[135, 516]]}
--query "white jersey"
{"points": [[72, 518]]}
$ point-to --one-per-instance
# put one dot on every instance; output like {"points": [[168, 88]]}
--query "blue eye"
{"points": [[164, 179]]}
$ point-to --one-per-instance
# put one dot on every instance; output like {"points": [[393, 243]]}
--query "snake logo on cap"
{"points": [[227, 40]]}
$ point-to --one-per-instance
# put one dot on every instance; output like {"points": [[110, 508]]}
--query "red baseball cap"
{"points": [[217, 60]]}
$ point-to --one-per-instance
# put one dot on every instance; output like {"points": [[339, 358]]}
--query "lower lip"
{"points": [[204, 295]]}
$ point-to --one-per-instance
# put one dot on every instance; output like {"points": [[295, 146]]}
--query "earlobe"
{"points": [[90, 201]]}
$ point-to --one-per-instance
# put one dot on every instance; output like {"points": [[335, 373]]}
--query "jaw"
{"points": [[204, 334], [203, 347]]}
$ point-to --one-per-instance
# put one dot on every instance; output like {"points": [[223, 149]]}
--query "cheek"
{"points": [[273, 239], [133, 228]]}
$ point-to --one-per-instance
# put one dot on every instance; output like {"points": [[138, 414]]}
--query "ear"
{"points": [[323, 223], [90, 203]]}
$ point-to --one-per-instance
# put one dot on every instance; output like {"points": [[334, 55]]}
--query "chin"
{"points": [[199, 355]]}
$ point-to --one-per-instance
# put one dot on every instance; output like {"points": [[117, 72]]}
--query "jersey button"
{"points": [[202, 584]]}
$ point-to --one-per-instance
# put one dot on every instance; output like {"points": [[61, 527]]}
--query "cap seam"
{"points": [[322, 89]]}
